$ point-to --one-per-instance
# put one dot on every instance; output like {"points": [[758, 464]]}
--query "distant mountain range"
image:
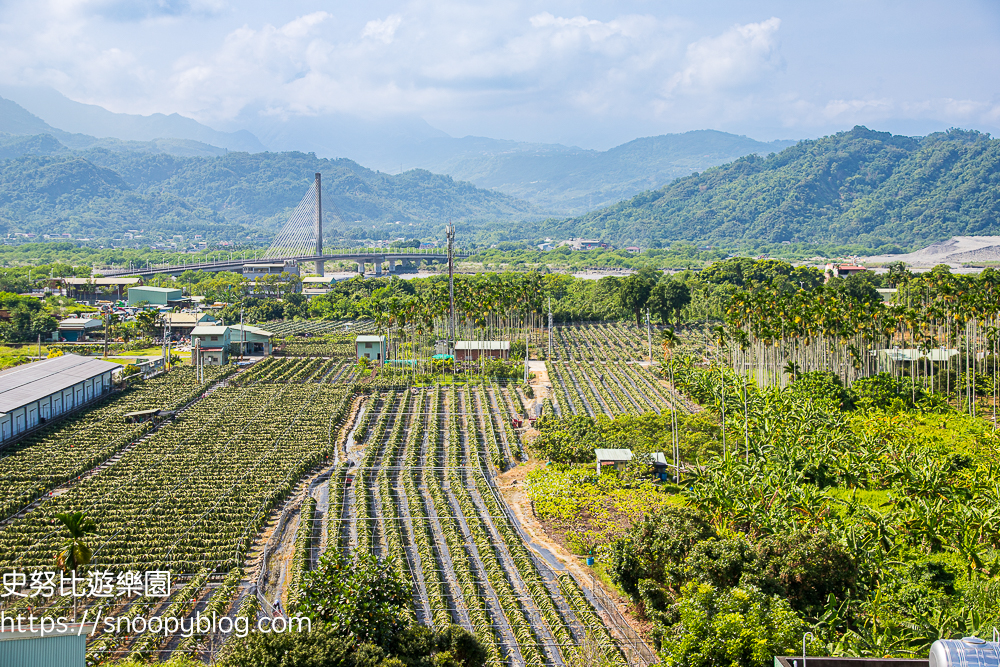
{"points": [[561, 180], [172, 175], [58, 111]]}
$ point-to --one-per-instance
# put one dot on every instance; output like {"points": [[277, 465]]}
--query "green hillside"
{"points": [[864, 187], [100, 192]]}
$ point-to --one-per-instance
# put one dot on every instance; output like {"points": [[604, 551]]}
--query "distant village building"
{"points": [[155, 296], [584, 244], [254, 340], [263, 269], [635, 250], [182, 324], [842, 270], [78, 329], [90, 290], [472, 350]]}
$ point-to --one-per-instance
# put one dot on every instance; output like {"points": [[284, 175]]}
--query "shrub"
{"points": [[738, 627], [659, 545]]}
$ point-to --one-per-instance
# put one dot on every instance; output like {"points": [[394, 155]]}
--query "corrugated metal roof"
{"points": [[158, 290], [81, 322], [209, 330], [187, 318], [24, 384], [482, 345], [613, 454], [658, 458], [251, 329], [370, 339], [101, 281]]}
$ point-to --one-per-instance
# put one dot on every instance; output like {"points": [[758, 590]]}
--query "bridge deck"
{"points": [[238, 264]]}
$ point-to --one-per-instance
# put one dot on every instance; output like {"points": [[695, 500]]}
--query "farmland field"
{"points": [[408, 475], [806, 505]]}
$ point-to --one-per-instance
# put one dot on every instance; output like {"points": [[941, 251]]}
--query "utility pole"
{"points": [[450, 233], [107, 318], [550, 329], [243, 333], [197, 360], [649, 337]]}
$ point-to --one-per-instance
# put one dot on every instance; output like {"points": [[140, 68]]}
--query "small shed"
{"points": [[255, 341], [472, 350], [612, 458], [373, 348], [77, 329], [154, 296], [155, 414], [213, 343], [658, 460]]}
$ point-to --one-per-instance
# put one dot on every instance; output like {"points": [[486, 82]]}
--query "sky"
{"points": [[591, 74]]}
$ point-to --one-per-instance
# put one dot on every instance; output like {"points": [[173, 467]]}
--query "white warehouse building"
{"points": [[34, 393]]}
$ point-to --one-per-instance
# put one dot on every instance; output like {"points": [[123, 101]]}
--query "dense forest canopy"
{"points": [[864, 187]]}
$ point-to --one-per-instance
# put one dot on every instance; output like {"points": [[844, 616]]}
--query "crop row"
{"points": [[441, 524], [301, 550], [68, 448], [491, 510], [333, 346], [313, 327], [423, 538], [197, 492]]}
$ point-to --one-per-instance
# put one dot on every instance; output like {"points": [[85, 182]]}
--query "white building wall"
{"points": [[29, 416]]}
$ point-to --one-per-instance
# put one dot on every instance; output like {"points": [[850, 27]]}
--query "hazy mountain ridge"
{"points": [[72, 117], [560, 179], [576, 180]]}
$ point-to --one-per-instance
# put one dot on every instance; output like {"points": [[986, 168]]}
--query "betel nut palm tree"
{"points": [[74, 553]]}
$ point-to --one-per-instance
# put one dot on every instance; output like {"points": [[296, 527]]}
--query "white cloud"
{"points": [[497, 68], [384, 29], [738, 58]]}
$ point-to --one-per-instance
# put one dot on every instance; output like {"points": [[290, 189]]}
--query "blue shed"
{"points": [[30, 649]]}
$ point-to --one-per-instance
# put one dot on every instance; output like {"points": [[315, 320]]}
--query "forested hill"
{"points": [[102, 192], [860, 186]]}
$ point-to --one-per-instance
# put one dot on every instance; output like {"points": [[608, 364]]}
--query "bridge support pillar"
{"points": [[320, 267], [392, 265], [378, 267], [361, 268]]}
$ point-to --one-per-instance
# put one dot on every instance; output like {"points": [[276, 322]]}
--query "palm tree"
{"points": [[74, 553]]}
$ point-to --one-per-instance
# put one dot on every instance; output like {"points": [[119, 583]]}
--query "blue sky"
{"points": [[593, 74]]}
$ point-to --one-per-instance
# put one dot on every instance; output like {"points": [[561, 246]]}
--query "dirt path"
{"points": [[512, 486]]}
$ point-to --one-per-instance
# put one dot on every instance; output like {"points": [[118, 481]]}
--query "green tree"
{"points": [[634, 291], [667, 299], [736, 627], [74, 552], [363, 598]]}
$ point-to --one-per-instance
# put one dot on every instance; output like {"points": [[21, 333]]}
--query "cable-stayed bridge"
{"points": [[300, 240]]}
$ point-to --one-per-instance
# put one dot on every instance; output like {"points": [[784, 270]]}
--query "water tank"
{"points": [[966, 652]]}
